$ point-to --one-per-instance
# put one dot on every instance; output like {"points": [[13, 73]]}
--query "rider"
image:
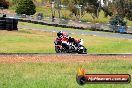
{"points": [[59, 38], [65, 42], [63, 39], [62, 34], [59, 34]]}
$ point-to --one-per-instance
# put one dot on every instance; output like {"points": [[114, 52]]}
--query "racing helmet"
{"points": [[60, 34]]}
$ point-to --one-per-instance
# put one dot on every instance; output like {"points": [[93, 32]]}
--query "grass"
{"points": [[45, 26], [29, 41], [26, 42], [59, 74]]}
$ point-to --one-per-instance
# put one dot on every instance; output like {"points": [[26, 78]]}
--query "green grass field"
{"points": [[45, 26], [59, 74], [29, 41]]}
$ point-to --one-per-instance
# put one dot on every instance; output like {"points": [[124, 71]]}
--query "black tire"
{"points": [[64, 50], [57, 49], [9, 27], [2, 24], [82, 51], [2, 28], [11, 24]]}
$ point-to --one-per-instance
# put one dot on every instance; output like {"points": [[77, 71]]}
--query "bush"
{"points": [[26, 7], [4, 4]]}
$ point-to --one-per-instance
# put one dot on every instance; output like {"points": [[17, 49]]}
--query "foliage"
{"points": [[117, 7], [26, 7], [15, 1], [87, 6], [4, 4], [93, 7], [121, 8]]}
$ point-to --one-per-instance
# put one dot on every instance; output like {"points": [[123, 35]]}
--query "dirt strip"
{"points": [[60, 58]]}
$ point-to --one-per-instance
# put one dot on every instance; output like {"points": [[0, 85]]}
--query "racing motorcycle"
{"points": [[71, 48]]}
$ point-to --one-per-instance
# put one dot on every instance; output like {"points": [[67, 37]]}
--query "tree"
{"points": [[14, 2], [4, 4], [26, 7], [78, 7], [121, 8]]}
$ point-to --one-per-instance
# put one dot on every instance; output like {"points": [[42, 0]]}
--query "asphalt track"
{"points": [[81, 32]]}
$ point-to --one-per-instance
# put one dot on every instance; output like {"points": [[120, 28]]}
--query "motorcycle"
{"points": [[71, 48]]}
